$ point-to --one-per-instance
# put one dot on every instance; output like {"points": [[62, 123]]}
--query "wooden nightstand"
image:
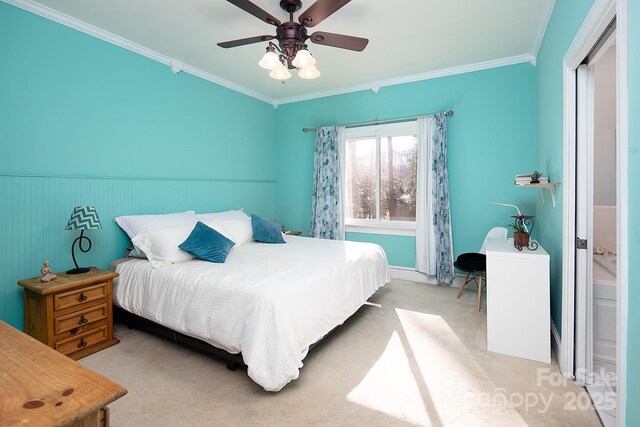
{"points": [[72, 314]]}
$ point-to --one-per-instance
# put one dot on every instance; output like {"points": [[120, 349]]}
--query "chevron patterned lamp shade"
{"points": [[82, 218]]}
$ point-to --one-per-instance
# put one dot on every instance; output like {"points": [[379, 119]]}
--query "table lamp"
{"points": [[82, 218]]}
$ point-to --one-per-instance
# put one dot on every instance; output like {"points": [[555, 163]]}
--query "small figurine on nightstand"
{"points": [[47, 273]]}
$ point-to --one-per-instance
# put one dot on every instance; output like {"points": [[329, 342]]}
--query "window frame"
{"points": [[377, 226]]}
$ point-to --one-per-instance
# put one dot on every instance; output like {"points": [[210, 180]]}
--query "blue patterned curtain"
{"points": [[440, 197], [326, 206]]}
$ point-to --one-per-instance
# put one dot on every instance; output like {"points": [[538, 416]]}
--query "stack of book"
{"points": [[525, 179]]}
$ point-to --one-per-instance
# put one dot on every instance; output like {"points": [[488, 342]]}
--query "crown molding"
{"points": [[174, 64], [376, 85], [177, 66], [542, 30]]}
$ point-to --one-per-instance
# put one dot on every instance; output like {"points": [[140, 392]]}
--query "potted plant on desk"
{"points": [[521, 233]]}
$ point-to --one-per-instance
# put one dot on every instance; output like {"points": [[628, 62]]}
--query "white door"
{"points": [[584, 224]]}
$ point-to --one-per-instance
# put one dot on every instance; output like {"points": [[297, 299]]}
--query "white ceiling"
{"points": [[407, 37]]}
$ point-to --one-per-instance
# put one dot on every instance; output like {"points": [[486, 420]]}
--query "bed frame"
{"points": [[132, 321], [234, 361]]}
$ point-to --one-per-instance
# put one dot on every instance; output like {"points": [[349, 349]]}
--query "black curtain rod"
{"points": [[377, 122]]}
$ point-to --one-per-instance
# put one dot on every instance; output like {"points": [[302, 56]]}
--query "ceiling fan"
{"points": [[292, 37]]}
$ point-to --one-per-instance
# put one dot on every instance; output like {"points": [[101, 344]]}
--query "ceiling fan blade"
{"points": [[319, 11], [339, 40], [256, 11], [242, 42]]}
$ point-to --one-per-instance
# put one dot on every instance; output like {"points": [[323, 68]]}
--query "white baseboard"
{"points": [[556, 344], [407, 273]]}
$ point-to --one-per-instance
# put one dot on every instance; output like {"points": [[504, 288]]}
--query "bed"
{"points": [[268, 302]]}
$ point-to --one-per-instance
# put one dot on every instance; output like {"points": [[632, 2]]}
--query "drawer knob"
{"points": [[82, 343], [83, 320], [82, 297]]}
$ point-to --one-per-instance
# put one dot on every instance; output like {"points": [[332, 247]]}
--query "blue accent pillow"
{"points": [[265, 230], [207, 244]]}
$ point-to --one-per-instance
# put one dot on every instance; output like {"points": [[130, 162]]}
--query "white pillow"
{"points": [[219, 227], [222, 216], [161, 246], [240, 231], [136, 224]]}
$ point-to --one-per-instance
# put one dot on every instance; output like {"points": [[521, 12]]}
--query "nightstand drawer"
{"points": [[79, 296], [79, 318], [87, 339], [76, 332]]}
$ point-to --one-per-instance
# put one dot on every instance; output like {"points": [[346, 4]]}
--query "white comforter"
{"points": [[269, 302]]}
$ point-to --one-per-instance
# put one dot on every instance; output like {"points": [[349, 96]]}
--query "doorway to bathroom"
{"points": [[596, 252], [592, 347]]}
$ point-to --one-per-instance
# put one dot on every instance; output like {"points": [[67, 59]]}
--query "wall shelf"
{"points": [[551, 186]]}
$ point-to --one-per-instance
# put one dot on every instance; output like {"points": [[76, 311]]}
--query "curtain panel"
{"points": [[434, 243], [425, 237], [440, 198], [327, 220]]}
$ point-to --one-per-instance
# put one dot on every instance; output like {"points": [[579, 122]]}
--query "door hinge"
{"points": [[581, 243]]}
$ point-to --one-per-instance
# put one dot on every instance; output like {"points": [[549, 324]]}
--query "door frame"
{"points": [[601, 14]]}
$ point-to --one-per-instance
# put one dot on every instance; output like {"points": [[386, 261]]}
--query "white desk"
{"points": [[518, 305]]}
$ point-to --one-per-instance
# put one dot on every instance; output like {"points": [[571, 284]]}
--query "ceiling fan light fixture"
{"points": [[270, 59], [303, 59], [288, 50], [280, 72], [309, 72]]}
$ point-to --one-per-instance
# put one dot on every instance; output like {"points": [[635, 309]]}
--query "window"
{"points": [[381, 177]]}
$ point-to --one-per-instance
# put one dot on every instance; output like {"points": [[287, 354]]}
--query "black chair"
{"points": [[475, 263]]}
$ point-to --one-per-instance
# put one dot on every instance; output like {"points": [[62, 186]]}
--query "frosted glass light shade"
{"points": [[280, 72], [303, 59], [269, 61], [309, 73]]}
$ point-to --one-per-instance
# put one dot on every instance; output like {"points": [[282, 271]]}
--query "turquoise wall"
{"points": [[566, 19], [492, 137], [633, 333], [86, 122], [72, 104]]}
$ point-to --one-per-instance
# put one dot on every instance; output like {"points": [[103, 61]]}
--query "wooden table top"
{"points": [[41, 387], [66, 281]]}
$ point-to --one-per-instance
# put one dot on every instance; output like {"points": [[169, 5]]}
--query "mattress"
{"points": [[269, 302]]}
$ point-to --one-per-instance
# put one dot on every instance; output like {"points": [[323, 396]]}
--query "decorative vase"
{"points": [[520, 240]]}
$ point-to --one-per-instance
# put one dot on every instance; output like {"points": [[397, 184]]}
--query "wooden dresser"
{"points": [[41, 387], [72, 314]]}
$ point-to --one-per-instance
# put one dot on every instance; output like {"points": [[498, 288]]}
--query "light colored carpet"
{"points": [[417, 357]]}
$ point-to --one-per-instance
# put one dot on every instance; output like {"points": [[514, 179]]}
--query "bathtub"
{"points": [[604, 307]]}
